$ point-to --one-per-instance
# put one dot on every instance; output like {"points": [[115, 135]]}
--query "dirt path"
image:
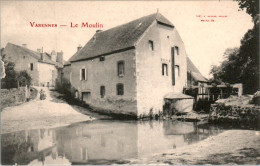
{"points": [[39, 114], [229, 147]]}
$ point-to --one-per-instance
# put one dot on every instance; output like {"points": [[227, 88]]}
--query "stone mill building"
{"points": [[131, 68]]}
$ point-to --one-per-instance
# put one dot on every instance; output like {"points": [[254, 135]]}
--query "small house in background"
{"points": [[42, 67], [130, 68]]}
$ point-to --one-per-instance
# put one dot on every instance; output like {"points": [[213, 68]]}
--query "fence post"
{"points": [[26, 93]]}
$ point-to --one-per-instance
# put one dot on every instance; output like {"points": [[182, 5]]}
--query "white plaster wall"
{"points": [[46, 75], [152, 86]]}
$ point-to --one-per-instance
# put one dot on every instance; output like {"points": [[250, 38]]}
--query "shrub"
{"points": [[24, 78], [13, 79]]}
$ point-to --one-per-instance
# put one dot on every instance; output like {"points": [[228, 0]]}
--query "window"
{"points": [[177, 50], [151, 46], [84, 154], [121, 68], [83, 74], [86, 96], [164, 69], [102, 58], [76, 94], [102, 91], [31, 66], [120, 89], [177, 70]]}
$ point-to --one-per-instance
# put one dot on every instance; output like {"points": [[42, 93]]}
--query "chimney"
{"points": [[98, 30], [41, 56], [53, 56], [94, 38], [59, 57], [24, 45], [79, 47], [39, 50]]}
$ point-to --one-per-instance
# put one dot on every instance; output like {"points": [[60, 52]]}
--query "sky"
{"points": [[205, 42]]}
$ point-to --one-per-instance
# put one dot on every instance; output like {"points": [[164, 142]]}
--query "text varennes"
{"points": [[71, 25]]}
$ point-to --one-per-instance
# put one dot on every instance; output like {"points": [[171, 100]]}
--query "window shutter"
{"points": [[162, 69], [80, 78], [86, 74]]}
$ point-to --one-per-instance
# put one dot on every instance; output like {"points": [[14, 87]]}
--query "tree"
{"points": [[251, 6], [24, 78], [13, 78], [241, 65], [10, 79]]}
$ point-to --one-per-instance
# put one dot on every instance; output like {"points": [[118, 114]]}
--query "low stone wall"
{"points": [[114, 106], [12, 97], [233, 113]]}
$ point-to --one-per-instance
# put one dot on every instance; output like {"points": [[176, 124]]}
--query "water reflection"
{"points": [[99, 142]]}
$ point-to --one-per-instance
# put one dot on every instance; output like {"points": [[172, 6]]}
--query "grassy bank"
{"points": [[15, 96]]}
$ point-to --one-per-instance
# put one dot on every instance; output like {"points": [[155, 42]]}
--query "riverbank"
{"points": [[229, 147], [39, 114]]}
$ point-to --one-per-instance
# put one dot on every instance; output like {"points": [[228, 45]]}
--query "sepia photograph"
{"points": [[130, 82]]}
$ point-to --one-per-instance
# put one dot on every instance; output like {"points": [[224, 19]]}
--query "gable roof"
{"points": [[119, 38], [195, 73], [20, 51]]}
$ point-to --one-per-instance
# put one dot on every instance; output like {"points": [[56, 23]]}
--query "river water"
{"points": [[100, 141]]}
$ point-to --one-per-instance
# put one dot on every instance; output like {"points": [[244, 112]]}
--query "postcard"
{"points": [[130, 82]]}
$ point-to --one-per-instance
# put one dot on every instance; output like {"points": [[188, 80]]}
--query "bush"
{"points": [[13, 79], [24, 78], [10, 79]]}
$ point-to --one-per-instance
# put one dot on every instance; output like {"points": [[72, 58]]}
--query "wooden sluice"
{"points": [[205, 95]]}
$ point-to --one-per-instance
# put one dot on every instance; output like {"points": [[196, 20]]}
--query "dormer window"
{"points": [[151, 46], [102, 58]]}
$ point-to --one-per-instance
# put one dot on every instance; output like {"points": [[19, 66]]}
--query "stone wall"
{"points": [[232, 113], [12, 97], [105, 73]]}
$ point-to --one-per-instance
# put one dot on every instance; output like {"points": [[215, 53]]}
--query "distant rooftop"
{"points": [[20, 51], [194, 71]]}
